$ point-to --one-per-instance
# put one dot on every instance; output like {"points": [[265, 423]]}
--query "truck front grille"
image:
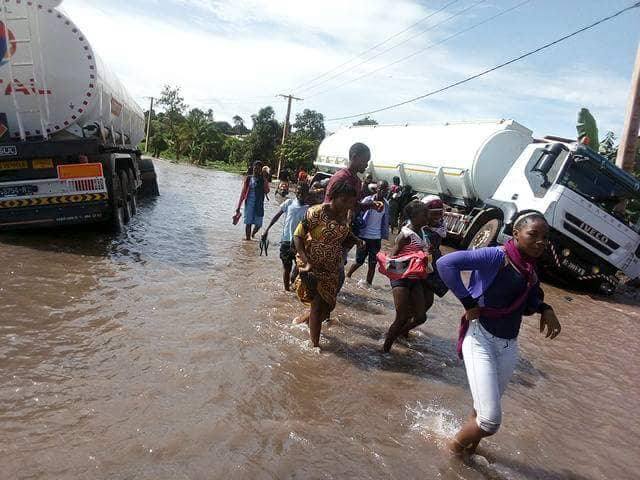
{"points": [[589, 235]]}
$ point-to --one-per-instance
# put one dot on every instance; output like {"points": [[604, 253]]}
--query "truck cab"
{"points": [[586, 200]]}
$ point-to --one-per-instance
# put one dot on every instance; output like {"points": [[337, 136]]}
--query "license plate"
{"points": [[18, 191]]}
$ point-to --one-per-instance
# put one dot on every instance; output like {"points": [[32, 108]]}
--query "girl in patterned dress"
{"points": [[318, 240]]}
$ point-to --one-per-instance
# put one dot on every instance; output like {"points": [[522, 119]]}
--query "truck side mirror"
{"points": [[547, 161]]}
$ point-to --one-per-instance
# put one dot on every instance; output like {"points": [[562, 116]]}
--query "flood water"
{"points": [[168, 353]]}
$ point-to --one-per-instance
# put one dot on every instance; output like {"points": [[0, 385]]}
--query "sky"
{"points": [[236, 56]]}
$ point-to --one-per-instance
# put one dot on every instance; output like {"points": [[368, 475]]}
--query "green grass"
{"points": [[227, 167], [240, 168]]}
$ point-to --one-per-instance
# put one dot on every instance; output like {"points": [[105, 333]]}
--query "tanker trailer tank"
{"points": [[54, 83], [462, 162]]}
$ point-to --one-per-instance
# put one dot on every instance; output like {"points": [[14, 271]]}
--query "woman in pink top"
{"points": [[409, 293]]}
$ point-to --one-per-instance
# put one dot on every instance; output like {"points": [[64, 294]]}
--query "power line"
{"points": [[230, 99], [422, 50], [451, 17], [387, 40], [493, 69]]}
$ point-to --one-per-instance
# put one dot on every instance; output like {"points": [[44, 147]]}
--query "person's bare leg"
{"points": [[468, 437], [401, 298], [410, 315], [319, 311], [286, 275], [371, 273], [422, 301], [471, 449], [353, 269], [256, 229], [247, 231], [304, 318]]}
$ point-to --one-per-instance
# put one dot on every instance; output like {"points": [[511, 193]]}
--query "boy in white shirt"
{"points": [[375, 228], [294, 211]]}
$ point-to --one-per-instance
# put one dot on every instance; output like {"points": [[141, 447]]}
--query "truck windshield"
{"points": [[589, 181]]}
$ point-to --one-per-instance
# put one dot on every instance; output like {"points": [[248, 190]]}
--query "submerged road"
{"points": [[168, 353]]}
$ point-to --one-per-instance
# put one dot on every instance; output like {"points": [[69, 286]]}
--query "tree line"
{"points": [[193, 135]]}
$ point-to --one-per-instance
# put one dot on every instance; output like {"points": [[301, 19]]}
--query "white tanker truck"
{"points": [[69, 130], [487, 172]]}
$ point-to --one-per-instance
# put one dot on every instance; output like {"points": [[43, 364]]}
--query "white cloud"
{"points": [[235, 56], [349, 22]]}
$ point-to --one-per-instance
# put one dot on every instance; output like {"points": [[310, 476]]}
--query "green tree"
{"points": [[235, 150], [365, 121], [195, 133], [157, 144], [183, 140], [224, 127], [158, 136], [608, 147], [264, 137], [299, 150], [311, 124], [205, 141], [239, 127], [174, 107]]}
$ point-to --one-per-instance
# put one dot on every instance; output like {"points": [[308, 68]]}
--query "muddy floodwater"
{"points": [[168, 353]]}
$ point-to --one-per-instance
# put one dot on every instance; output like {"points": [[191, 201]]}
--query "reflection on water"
{"points": [[168, 352]]}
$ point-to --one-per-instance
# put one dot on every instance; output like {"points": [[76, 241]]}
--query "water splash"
{"points": [[432, 421]]}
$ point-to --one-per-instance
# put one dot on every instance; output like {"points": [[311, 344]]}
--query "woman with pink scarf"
{"points": [[504, 287]]}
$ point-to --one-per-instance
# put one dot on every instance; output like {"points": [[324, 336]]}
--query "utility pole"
{"points": [[146, 144], [286, 125], [629, 141]]}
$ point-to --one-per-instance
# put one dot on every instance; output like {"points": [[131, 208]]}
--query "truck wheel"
{"points": [[483, 236], [116, 224], [133, 192], [605, 288], [126, 205]]}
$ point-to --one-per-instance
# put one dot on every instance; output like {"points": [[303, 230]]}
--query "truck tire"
{"points": [[126, 204], [606, 288], [117, 223], [133, 192], [482, 235]]}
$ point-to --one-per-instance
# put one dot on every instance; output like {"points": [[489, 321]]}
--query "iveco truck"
{"points": [[487, 172], [69, 129]]}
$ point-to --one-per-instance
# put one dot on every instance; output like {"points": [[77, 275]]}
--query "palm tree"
{"points": [[238, 121]]}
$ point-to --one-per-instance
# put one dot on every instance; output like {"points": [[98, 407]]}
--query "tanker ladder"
{"points": [[21, 20]]}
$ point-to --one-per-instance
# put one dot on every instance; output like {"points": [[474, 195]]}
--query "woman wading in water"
{"points": [[254, 190], [318, 241], [410, 294], [504, 286]]}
